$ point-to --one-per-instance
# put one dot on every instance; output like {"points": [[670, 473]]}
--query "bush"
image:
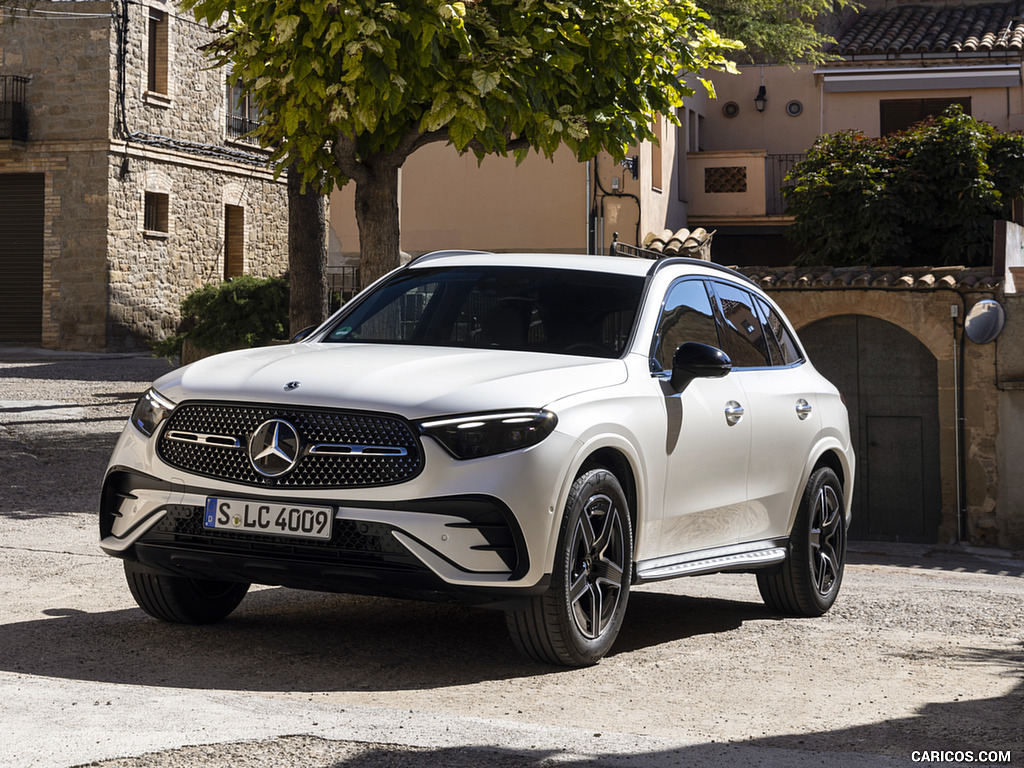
{"points": [[242, 312], [923, 197]]}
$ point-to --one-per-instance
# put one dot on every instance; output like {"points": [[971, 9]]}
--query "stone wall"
{"points": [[68, 61], [925, 312], [150, 273]]}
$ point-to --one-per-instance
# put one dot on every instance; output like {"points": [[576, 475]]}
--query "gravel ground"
{"points": [[922, 652]]}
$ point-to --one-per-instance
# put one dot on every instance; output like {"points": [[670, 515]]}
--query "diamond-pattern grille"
{"points": [[361, 467]]}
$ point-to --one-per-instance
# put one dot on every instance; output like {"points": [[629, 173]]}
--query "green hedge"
{"points": [[923, 197], [242, 312]]}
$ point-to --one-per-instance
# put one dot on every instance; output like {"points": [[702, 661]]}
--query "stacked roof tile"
{"points": [[920, 29]]}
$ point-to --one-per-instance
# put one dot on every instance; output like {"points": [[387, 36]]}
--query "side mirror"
{"points": [[698, 361], [304, 334]]}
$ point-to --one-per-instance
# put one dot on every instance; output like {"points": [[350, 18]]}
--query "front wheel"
{"points": [[182, 600], [576, 621], [807, 583]]}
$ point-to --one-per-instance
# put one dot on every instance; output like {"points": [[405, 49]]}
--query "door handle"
{"points": [[803, 409], [733, 413]]}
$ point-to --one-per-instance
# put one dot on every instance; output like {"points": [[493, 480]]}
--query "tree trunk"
{"points": [[307, 254], [376, 203]]}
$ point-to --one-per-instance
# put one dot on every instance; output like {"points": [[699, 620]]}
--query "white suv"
{"points": [[534, 433]]}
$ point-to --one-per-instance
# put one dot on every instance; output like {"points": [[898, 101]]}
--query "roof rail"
{"points": [[441, 254], [659, 264]]}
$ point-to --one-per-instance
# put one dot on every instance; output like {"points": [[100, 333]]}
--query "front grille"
{"points": [[337, 449]]}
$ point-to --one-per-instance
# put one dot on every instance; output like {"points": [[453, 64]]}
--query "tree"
{"points": [[350, 88], [779, 31], [307, 254], [924, 197]]}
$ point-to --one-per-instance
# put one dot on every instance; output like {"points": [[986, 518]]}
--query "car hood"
{"points": [[416, 382]]}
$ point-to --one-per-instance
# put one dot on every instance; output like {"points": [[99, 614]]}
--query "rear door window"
{"points": [[743, 335]]}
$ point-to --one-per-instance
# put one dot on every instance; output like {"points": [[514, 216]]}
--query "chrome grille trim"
{"points": [[190, 437], [337, 449]]}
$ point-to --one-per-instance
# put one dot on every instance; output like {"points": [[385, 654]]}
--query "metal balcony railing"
{"points": [[13, 112], [775, 170], [239, 126]]}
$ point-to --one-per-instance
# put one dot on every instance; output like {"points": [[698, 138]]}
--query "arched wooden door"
{"points": [[890, 383]]}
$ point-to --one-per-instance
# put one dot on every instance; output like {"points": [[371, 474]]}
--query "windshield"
{"points": [[571, 312]]}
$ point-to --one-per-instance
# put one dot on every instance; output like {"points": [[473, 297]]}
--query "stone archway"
{"points": [[890, 382]]}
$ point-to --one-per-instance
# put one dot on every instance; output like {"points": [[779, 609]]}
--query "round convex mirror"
{"points": [[985, 321]]}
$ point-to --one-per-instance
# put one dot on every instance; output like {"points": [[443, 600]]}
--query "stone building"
{"points": [[125, 181]]}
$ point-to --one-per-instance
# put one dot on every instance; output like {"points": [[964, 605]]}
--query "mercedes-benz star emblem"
{"points": [[274, 448]]}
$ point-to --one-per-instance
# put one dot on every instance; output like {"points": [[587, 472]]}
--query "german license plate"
{"points": [[268, 518]]}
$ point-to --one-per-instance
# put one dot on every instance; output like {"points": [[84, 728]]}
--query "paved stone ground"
{"points": [[922, 653]]}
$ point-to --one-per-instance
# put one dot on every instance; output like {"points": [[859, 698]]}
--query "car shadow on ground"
{"points": [[288, 640], [962, 732]]}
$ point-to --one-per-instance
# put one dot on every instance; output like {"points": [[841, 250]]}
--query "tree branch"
{"points": [[344, 153]]}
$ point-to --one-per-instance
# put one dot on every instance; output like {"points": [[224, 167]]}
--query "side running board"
{"points": [[735, 558]]}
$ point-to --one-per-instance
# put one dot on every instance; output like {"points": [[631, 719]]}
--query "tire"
{"points": [[575, 622], [807, 583], [181, 600]]}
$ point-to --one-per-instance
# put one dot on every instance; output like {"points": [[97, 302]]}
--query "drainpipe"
{"points": [[589, 211], [954, 312]]}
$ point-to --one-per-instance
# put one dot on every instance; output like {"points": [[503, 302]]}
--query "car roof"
{"points": [[622, 265]]}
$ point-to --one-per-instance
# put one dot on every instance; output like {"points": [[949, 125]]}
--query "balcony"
{"points": [[13, 113], [738, 186]]}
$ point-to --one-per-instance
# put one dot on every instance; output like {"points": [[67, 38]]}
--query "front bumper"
{"points": [[472, 531]]}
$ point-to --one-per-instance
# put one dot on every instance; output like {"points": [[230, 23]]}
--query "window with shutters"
{"points": [[656, 157], [157, 60], [899, 114]]}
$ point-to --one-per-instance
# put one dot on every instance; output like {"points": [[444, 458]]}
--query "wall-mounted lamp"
{"points": [[760, 100], [632, 164]]}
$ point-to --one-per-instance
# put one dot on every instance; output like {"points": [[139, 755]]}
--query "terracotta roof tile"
{"points": [[926, 29], [901, 278]]}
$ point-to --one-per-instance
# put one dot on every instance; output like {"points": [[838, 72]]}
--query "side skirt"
{"points": [[738, 557]]}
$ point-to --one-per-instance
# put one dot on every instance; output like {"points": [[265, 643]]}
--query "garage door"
{"points": [[21, 257], [890, 383]]}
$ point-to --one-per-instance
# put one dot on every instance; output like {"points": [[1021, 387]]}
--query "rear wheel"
{"points": [[182, 600], [807, 583], [576, 621]]}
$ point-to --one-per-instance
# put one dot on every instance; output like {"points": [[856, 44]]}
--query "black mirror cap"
{"points": [[304, 334], [698, 361]]}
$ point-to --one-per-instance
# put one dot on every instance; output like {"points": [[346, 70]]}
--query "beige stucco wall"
{"points": [[778, 132], [452, 201], [772, 130], [449, 201]]}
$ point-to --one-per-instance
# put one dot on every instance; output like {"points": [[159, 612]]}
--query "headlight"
{"points": [[475, 435], [151, 409]]}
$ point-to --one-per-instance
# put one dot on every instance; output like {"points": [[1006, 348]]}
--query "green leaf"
{"points": [[285, 28], [485, 81]]}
